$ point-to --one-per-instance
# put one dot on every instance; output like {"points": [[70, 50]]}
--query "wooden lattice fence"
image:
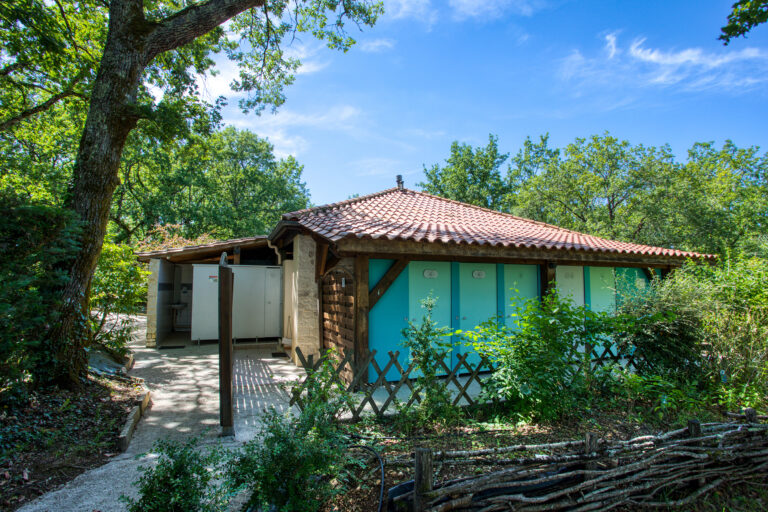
{"points": [[381, 394]]}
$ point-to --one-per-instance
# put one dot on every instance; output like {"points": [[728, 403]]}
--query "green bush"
{"points": [[185, 479], [296, 463], [708, 323], [36, 243], [118, 290], [429, 344], [540, 366]]}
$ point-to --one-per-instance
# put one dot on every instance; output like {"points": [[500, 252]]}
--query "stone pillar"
{"points": [[307, 312], [152, 297]]}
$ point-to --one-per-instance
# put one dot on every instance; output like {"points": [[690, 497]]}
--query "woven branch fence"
{"points": [[671, 469]]}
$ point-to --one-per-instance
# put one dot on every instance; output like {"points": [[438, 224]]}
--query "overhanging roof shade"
{"points": [[211, 250], [400, 214]]}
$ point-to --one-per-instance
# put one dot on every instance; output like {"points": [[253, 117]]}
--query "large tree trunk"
{"points": [[111, 117], [132, 43]]}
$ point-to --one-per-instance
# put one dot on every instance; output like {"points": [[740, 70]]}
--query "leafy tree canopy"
{"points": [[745, 16], [716, 201]]}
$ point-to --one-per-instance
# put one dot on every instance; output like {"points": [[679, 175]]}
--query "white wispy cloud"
{"points": [[417, 9], [284, 129], [377, 45], [640, 65], [494, 8]]}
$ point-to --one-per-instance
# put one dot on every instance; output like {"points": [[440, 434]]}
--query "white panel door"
{"points": [[248, 302], [273, 302], [570, 283], [205, 302]]}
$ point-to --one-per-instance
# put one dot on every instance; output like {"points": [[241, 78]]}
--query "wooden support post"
{"points": [[236, 260], [590, 443], [422, 478], [547, 275], [751, 415], [320, 261], [694, 428], [385, 282], [361, 315], [226, 286]]}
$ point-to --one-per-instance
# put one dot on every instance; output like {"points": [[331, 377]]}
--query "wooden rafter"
{"points": [[386, 281]]}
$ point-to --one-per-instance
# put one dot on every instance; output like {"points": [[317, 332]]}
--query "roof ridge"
{"points": [[287, 216], [497, 212]]}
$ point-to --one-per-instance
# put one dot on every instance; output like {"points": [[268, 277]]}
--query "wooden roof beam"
{"points": [[386, 281]]}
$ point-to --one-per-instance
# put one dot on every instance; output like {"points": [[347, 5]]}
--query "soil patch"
{"points": [[60, 434]]}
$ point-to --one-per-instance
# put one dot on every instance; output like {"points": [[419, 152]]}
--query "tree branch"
{"points": [[188, 24], [13, 121]]}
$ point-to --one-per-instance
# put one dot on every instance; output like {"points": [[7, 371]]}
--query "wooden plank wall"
{"points": [[339, 315]]}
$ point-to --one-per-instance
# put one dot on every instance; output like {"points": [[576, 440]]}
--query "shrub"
{"points": [[36, 243], [185, 479], [540, 365], [428, 345], [708, 323], [118, 289], [297, 463]]}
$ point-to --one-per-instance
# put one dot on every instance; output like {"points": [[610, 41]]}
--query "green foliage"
{"points": [[540, 366], [118, 289], [429, 344], [746, 15], [655, 397], [204, 186], [471, 175], [185, 479], [36, 240], [718, 311], [296, 463], [324, 386], [716, 201]]}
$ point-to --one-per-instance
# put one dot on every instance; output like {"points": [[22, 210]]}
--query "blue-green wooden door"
{"points": [[477, 298]]}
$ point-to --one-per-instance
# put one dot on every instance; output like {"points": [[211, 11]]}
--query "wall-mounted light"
{"points": [[430, 273], [478, 274]]}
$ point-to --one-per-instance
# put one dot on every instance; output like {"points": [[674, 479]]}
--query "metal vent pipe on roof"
{"points": [[400, 181]]}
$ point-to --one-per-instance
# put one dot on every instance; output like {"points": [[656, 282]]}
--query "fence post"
{"points": [[751, 415], [226, 282], [694, 428], [422, 478]]}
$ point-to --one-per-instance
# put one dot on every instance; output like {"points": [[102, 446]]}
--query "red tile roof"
{"points": [[402, 214]]}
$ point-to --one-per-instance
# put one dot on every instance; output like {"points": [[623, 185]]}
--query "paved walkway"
{"points": [[185, 403]]}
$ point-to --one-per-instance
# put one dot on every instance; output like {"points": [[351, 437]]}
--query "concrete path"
{"points": [[185, 403]]}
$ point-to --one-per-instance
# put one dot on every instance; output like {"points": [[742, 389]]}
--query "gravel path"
{"points": [[185, 386]]}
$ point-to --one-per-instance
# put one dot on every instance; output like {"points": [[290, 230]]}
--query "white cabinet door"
{"points": [[205, 302], [570, 283], [273, 302], [248, 302]]}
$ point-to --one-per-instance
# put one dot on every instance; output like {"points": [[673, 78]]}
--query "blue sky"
{"points": [[431, 72]]}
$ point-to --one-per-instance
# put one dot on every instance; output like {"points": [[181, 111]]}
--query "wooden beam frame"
{"points": [[648, 274], [320, 260], [361, 315], [386, 281], [548, 273], [497, 254]]}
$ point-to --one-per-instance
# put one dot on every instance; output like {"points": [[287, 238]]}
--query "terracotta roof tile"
{"points": [[403, 214]]}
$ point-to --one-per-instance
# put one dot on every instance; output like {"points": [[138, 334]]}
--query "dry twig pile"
{"points": [[594, 475]]}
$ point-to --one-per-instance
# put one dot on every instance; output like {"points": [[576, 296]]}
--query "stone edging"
{"points": [[133, 419]]}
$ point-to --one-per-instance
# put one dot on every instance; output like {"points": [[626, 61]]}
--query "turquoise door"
{"points": [[601, 289], [477, 302], [430, 278], [519, 284], [387, 319]]}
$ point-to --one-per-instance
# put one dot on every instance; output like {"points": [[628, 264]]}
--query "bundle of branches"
{"points": [[671, 469]]}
